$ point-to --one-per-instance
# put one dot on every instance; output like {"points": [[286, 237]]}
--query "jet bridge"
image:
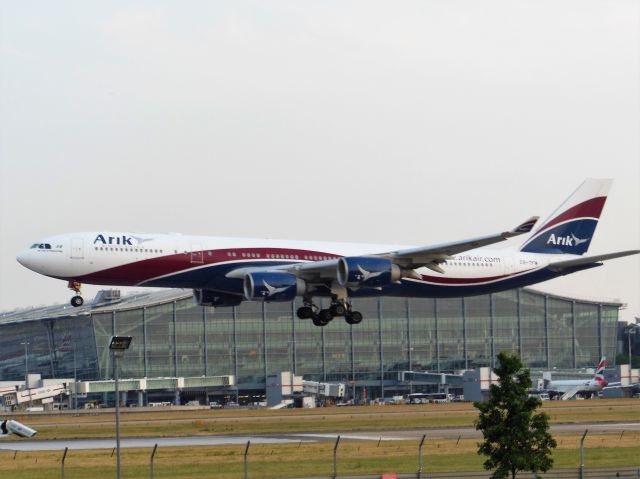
{"points": [[445, 381]]}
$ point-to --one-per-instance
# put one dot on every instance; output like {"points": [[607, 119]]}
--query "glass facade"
{"points": [[253, 340]]}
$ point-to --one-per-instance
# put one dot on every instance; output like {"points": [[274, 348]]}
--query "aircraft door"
{"points": [[77, 248], [196, 254]]}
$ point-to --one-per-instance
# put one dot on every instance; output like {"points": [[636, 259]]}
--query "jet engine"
{"points": [[208, 297], [273, 286], [364, 271], [17, 428]]}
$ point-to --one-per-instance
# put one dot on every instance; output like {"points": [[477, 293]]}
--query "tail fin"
{"points": [[600, 372], [570, 228]]}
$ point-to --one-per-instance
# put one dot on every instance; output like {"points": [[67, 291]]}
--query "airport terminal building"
{"points": [[174, 337]]}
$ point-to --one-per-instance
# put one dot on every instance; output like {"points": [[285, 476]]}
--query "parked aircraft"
{"points": [[570, 387], [227, 271]]}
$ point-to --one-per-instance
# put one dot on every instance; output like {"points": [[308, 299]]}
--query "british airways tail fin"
{"points": [[570, 228], [600, 372]]}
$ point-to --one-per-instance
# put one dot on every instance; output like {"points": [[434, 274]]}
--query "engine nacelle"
{"points": [[208, 297], [271, 286], [17, 428], [367, 272]]}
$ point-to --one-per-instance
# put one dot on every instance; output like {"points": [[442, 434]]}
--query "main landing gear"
{"points": [[322, 317], [77, 300]]}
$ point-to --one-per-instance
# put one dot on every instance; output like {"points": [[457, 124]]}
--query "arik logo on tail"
{"points": [[571, 240]]}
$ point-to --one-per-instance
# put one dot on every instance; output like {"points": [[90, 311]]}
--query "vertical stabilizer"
{"points": [[599, 377], [571, 227]]}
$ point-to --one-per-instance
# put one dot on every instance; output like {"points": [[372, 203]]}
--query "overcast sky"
{"points": [[390, 122]]}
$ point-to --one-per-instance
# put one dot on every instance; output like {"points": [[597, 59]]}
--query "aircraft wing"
{"points": [[313, 271], [431, 256], [408, 259], [571, 265]]}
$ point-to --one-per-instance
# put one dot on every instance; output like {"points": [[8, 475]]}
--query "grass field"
{"points": [[208, 422], [309, 458], [306, 459]]}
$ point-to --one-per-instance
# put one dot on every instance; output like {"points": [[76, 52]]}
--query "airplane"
{"points": [[226, 271], [575, 386], [8, 427]]}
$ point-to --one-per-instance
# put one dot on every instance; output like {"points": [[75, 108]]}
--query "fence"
{"points": [[408, 448]]}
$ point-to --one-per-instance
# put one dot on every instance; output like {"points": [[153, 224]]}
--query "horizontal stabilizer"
{"points": [[569, 264]]}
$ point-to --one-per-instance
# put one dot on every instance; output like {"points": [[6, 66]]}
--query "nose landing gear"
{"points": [[77, 300]]}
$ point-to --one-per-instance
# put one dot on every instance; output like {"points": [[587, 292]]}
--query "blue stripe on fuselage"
{"points": [[214, 277]]}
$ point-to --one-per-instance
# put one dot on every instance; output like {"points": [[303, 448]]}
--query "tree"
{"points": [[516, 438]]}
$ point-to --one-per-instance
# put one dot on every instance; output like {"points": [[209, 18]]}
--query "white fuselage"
{"points": [[172, 260]]}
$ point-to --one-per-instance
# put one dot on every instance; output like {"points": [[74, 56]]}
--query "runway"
{"points": [[219, 440]]}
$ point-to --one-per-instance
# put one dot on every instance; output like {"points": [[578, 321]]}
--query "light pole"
{"points": [[118, 345]]}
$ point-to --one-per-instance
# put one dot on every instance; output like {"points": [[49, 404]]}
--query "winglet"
{"points": [[522, 228]]}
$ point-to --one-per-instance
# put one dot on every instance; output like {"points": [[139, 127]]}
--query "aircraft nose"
{"points": [[23, 257]]}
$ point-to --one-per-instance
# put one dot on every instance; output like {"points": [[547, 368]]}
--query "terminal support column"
{"points": [[175, 342], [519, 307], [600, 345], [380, 349], [324, 359], [435, 317], [204, 339], [492, 332], [293, 338], [353, 364], [234, 314], [264, 340], [144, 341], [409, 348], [573, 334], [463, 305], [546, 331]]}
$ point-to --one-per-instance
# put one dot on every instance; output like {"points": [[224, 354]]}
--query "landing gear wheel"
{"points": [[323, 317], [305, 312], [77, 301], [354, 317], [338, 310]]}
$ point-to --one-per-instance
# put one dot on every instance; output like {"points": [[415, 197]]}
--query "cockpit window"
{"points": [[40, 246]]}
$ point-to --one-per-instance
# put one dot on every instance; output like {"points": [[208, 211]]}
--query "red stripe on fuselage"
{"points": [[144, 270]]}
